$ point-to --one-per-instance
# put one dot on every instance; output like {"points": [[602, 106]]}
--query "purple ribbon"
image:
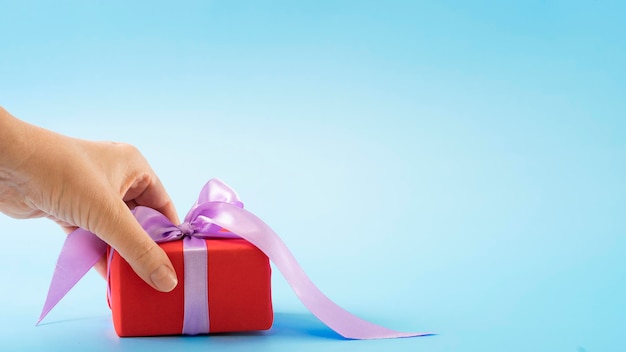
{"points": [[196, 313], [218, 208]]}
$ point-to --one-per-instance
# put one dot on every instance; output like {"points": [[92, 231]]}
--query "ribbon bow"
{"points": [[218, 208], [197, 222]]}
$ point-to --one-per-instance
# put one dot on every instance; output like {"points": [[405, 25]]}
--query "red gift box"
{"points": [[239, 292]]}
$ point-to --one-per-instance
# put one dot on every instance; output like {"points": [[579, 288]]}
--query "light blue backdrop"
{"points": [[455, 167]]}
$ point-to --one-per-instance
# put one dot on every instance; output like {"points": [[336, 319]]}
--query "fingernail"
{"points": [[164, 278]]}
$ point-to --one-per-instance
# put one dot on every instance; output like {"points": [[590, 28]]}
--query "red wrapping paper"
{"points": [[239, 289]]}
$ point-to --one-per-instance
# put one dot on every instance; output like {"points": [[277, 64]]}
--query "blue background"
{"points": [[448, 166]]}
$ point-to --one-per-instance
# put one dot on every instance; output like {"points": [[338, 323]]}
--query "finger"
{"points": [[67, 227], [153, 195], [131, 204], [116, 225]]}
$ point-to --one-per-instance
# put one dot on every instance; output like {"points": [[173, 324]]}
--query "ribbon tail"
{"points": [[81, 251], [255, 231]]}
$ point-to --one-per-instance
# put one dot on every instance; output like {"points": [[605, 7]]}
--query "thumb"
{"points": [[118, 227]]}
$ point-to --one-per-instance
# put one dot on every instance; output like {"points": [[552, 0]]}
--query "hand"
{"points": [[92, 185]]}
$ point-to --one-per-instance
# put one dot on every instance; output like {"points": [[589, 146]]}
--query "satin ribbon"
{"points": [[196, 305], [218, 208]]}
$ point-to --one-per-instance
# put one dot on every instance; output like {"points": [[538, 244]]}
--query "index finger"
{"points": [[155, 196]]}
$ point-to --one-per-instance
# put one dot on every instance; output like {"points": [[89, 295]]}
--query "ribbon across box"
{"points": [[232, 293]]}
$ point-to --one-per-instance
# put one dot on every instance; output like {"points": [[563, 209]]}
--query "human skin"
{"points": [[87, 184]]}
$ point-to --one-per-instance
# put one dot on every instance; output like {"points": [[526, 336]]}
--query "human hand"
{"points": [[92, 185]]}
